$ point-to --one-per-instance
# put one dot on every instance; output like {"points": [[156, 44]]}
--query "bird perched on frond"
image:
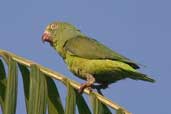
{"points": [[89, 59]]}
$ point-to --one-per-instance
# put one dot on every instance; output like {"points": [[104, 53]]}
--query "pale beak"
{"points": [[46, 37]]}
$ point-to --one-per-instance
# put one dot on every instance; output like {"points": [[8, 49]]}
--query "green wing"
{"points": [[91, 49]]}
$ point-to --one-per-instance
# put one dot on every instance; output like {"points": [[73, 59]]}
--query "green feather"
{"points": [[107, 71], [84, 55], [91, 49]]}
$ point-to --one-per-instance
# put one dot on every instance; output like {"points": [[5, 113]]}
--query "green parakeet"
{"points": [[89, 59]]}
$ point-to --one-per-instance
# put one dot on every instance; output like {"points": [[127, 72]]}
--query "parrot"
{"points": [[89, 59]]}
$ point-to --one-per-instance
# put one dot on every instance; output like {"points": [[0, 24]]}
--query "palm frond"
{"points": [[41, 92]]}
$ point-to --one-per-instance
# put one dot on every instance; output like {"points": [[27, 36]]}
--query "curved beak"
{"points": [[46, 37]]}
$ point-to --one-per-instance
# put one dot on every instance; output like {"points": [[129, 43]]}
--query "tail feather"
{"points": [[140, 76]]}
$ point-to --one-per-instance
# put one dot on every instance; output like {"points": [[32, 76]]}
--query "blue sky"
{"points": [[140, 30]]}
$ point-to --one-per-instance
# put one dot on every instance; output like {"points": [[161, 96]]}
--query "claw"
{"points": [[81, 89], [83, 86]]}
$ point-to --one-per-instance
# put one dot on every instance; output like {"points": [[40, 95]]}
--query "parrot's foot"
{"points": [[83, 86], [88, 84]]}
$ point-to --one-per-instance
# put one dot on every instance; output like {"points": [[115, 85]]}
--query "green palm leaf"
{"points": [[11, 88], [2, 85], [54, 100]]}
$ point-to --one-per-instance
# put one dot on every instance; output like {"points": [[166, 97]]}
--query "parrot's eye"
{"points": [[53, 26]]}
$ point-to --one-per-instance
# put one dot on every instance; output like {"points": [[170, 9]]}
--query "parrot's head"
{"points": [[58, 32]]}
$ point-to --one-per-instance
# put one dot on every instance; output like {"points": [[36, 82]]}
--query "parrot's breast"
{"points": [[107, 71]]}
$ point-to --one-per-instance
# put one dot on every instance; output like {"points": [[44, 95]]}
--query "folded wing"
{"points": [[91, 49]]}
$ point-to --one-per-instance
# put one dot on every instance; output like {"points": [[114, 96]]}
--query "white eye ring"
{"points": [[53, 26]]}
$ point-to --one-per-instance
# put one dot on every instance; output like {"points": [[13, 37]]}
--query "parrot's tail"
{"points": [[140, 76]]}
